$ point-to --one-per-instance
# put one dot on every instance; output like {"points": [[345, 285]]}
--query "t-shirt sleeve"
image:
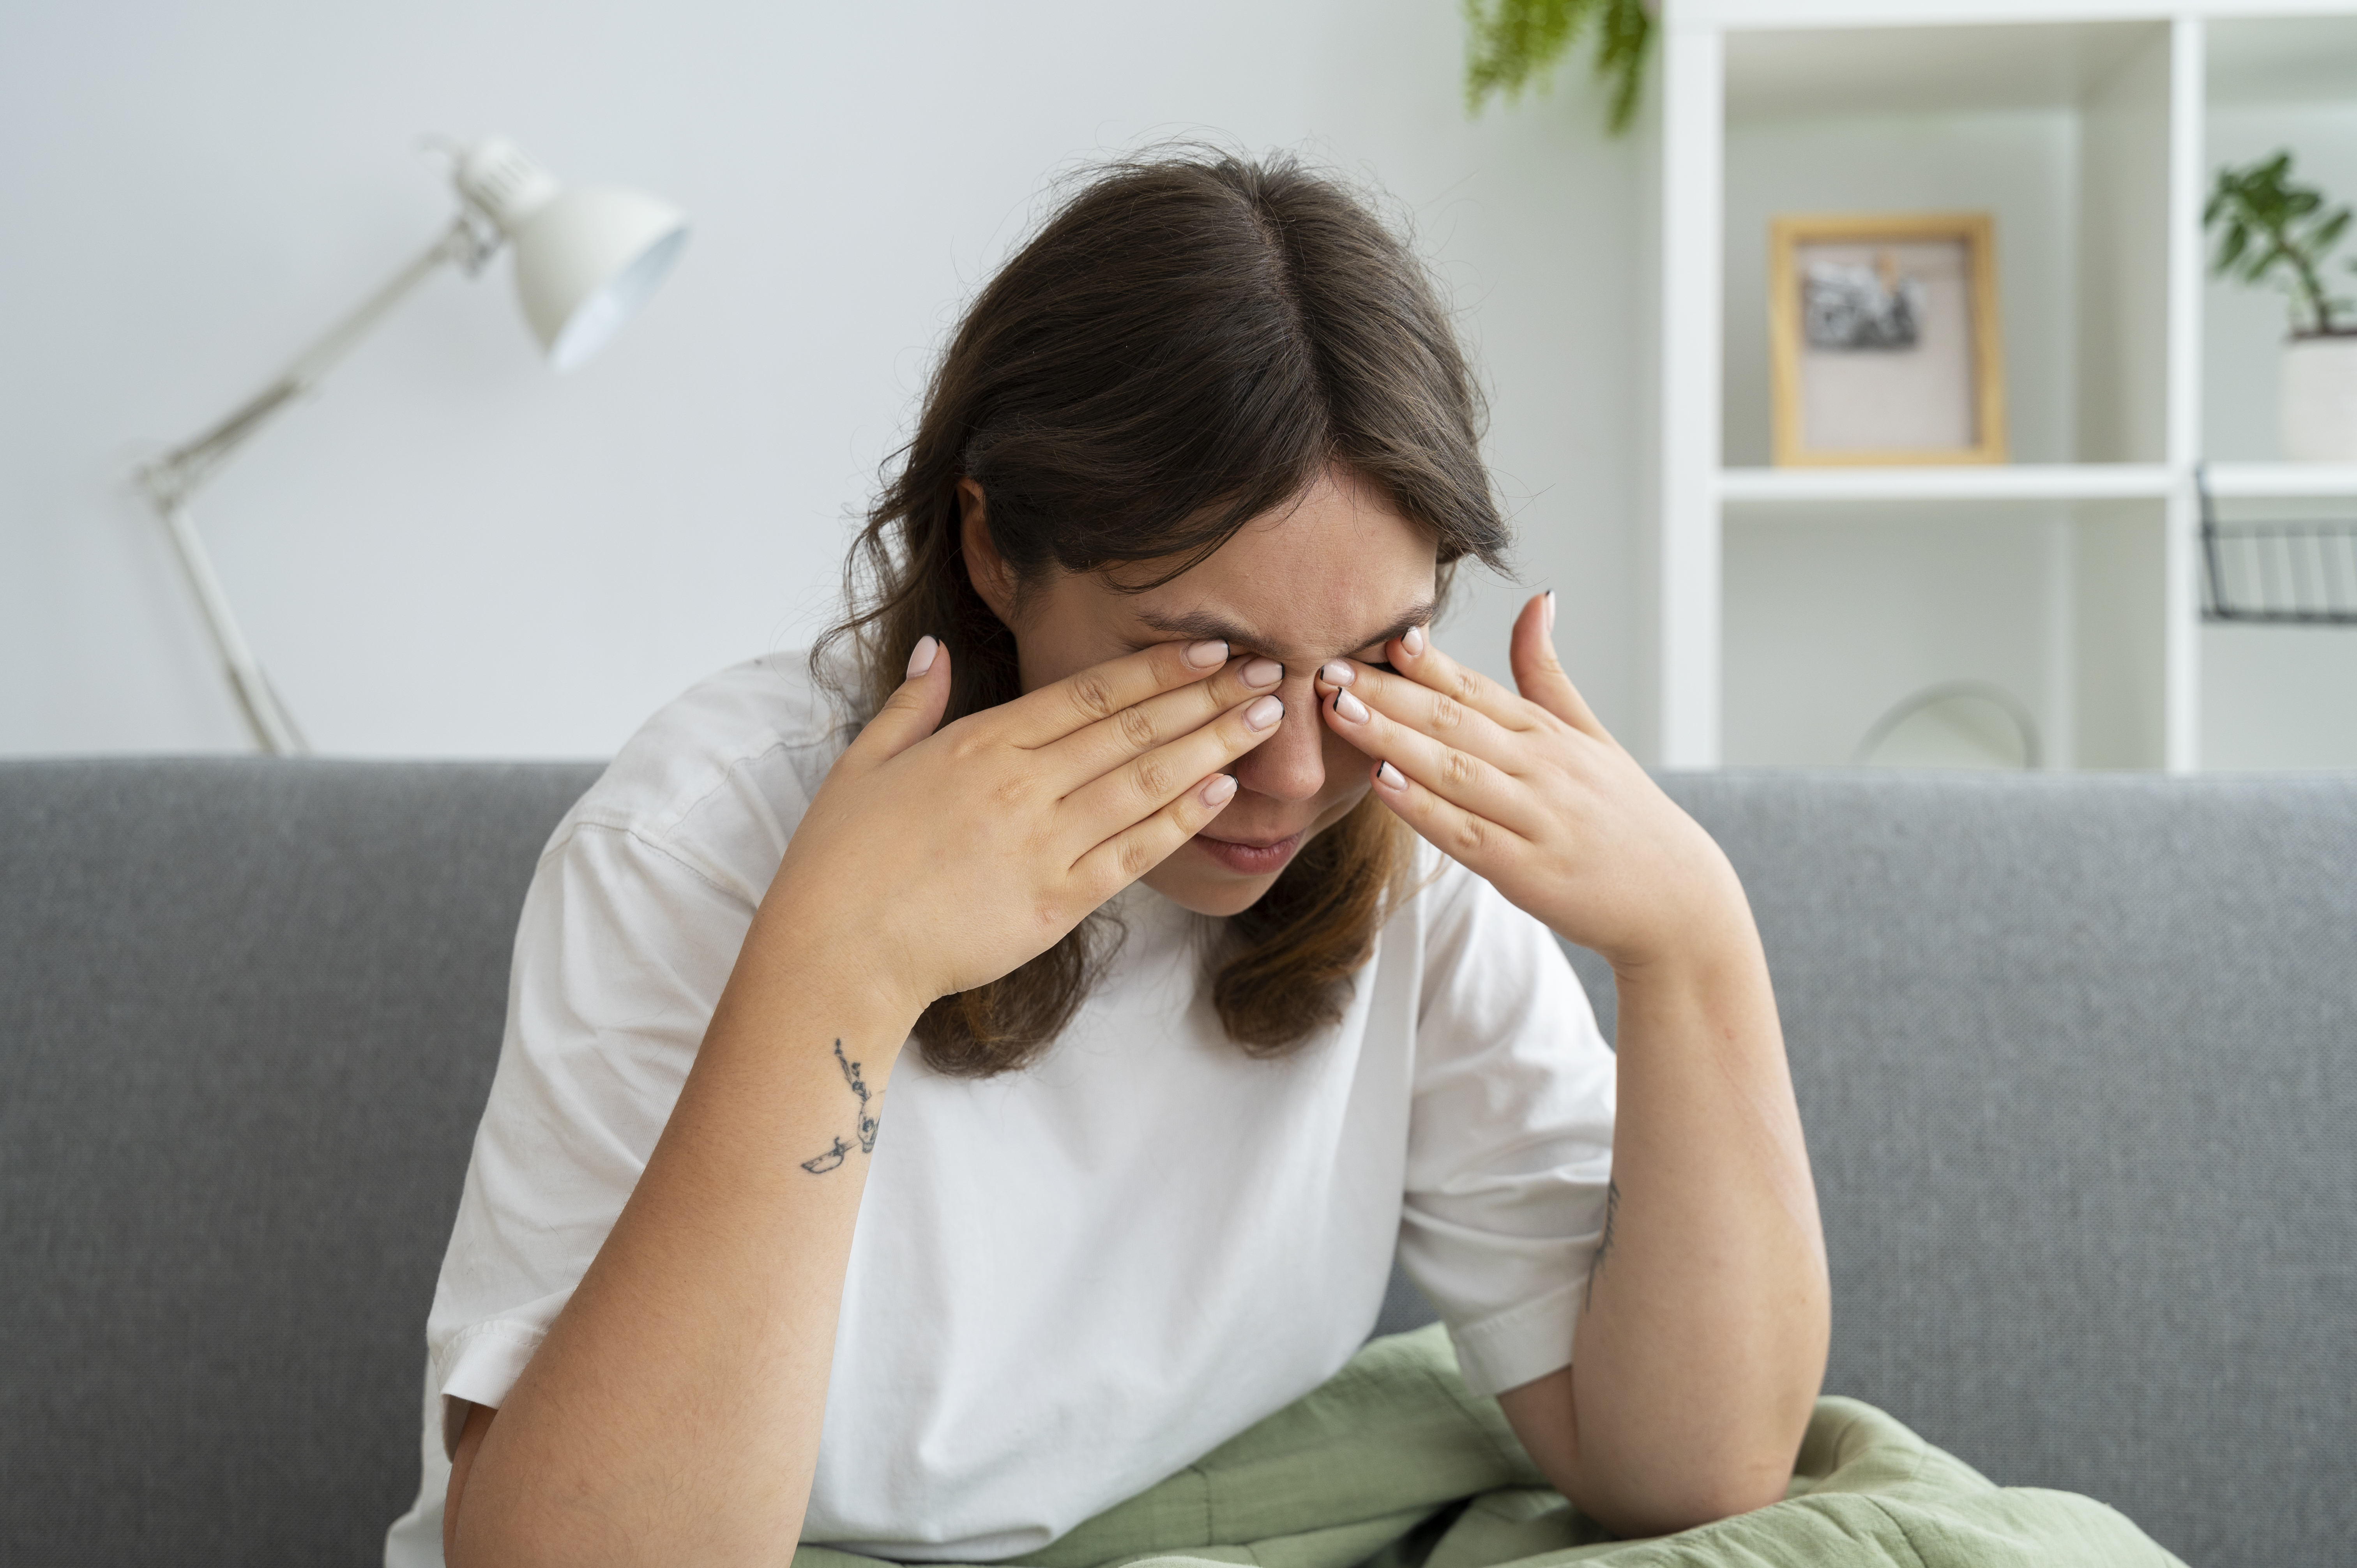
{"points": [[1510, 1140], [621, 952]]}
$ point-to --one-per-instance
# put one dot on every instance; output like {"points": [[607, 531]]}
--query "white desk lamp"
{"points": [[586, 259]]}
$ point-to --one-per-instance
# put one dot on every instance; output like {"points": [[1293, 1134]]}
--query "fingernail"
{"points": [[1389, 776], [1262, 713], [921, 658], [1218, 790], [1350, 707], [1263, 672], [1204, 655], [1337, 673], [1413, 640], [1550, 612]]}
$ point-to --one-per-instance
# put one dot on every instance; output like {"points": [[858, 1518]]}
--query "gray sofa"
{"points": [[2075, 1057]]}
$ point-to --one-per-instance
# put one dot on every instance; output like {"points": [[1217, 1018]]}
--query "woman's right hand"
{"points": [[931, 862]]}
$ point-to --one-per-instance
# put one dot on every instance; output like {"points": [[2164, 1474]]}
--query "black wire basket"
{"points": [[2283, 573]]}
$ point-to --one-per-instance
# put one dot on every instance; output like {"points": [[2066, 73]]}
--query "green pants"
{"points": [[1392, 1464]]}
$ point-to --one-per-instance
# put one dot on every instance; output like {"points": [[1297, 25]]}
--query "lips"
{"points": [[1249, 859]]}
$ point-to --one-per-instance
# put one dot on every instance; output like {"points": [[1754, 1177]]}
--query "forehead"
{"points": [[1325, 574]]}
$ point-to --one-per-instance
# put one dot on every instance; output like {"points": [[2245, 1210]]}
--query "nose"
{"points": [[1291, 764]]}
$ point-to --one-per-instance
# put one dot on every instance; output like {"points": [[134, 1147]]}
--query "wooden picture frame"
{"points": [[1882, 339]]}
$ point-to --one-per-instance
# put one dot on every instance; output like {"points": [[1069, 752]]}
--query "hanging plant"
{"points": [[1509, 43]]}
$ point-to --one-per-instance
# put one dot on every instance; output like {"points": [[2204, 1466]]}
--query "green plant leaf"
{"points": [[2231, 246], [2270, 228], [1511, 44]]}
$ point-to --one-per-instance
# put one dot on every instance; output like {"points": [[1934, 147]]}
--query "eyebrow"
{"points": [[1202, 624]]}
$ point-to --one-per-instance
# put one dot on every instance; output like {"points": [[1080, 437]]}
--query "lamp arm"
{"points": [[170, 480], [273, 728]]}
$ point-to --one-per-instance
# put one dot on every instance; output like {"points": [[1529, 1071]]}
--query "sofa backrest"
{"points": [[2073, 1054], [2077, 1058], [248, 1015]]}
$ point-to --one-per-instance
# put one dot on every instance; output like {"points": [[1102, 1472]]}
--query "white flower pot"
{"points": [[2317, 414]]}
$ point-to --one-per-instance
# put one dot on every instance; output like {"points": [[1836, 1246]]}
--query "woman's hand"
{"points": [[931, 862], [1533, 794], [672, 1413], [1702, 1326]]}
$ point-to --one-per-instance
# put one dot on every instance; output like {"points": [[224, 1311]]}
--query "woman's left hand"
{"points": [[1531, 792], [1703, 1342]]}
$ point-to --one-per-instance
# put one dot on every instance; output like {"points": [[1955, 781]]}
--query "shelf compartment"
{"points": [[1835, 613], [2060, 131], [2278, 571], [2275, 83]]}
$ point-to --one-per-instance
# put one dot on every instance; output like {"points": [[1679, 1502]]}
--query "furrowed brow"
{"points": [[1199, 623]]}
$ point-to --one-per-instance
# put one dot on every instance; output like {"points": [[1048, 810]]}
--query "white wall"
{"points": [[452, 551]]}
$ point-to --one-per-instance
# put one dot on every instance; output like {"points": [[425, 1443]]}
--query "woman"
{"points": [[1191, 909]]}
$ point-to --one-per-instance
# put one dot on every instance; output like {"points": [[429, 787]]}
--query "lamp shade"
{"points": [[587, 258]]}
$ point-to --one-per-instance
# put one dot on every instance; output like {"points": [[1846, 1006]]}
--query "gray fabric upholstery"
{"points": [[248, 1013], [2075, 1056], [2073, 1053]]}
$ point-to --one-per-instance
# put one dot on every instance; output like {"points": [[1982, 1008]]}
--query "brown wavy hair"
{"points": [[1190, 340]]}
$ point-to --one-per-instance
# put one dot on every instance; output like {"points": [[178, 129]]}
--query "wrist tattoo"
{"points": [[1604, 1242], [822, 1164]]}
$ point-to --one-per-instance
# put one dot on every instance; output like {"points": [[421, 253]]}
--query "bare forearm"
{"points": [[1702, 1338], [673, 1415]]}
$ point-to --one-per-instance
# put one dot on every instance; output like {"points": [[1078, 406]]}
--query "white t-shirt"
{"points": [[1066, 1282]]}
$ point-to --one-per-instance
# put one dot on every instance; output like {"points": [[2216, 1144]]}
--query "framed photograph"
{"points": [[1882, 339]]}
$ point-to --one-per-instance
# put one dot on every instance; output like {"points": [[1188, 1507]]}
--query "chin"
{"points": [[1216, 896]]}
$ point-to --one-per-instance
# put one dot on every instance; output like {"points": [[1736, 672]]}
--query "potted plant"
{"points": [[2271, 231]]}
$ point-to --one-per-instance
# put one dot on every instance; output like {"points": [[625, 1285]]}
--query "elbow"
{"points": [[1637, 1514], [1639, 1502]]}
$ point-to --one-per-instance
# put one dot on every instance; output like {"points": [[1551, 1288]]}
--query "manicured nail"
{"points": [[1337, 673], [1550, 612], [1350, 708], [1218, 790], [1204, 655], [921, 659], [1262, 713], [1413, 640], [1263, 672], [1389, 776]]}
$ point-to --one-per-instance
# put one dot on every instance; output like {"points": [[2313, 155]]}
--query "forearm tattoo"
{"points": [[822, 1164], [1603, 1243]]}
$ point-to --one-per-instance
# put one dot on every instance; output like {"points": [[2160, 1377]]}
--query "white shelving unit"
{"points": [[1797, 597]]}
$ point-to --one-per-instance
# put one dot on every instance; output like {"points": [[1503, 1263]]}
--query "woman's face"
{"points": [[1336, 573]]}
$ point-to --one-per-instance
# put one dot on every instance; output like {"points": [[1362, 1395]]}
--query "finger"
{"points": [[1133, 791], [909, 714], [1468, 837], [1455, 773], [1416, 656], [1433, 713], [1092, 752], [1098, 692], [1139, 848], [1539, 672]]}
